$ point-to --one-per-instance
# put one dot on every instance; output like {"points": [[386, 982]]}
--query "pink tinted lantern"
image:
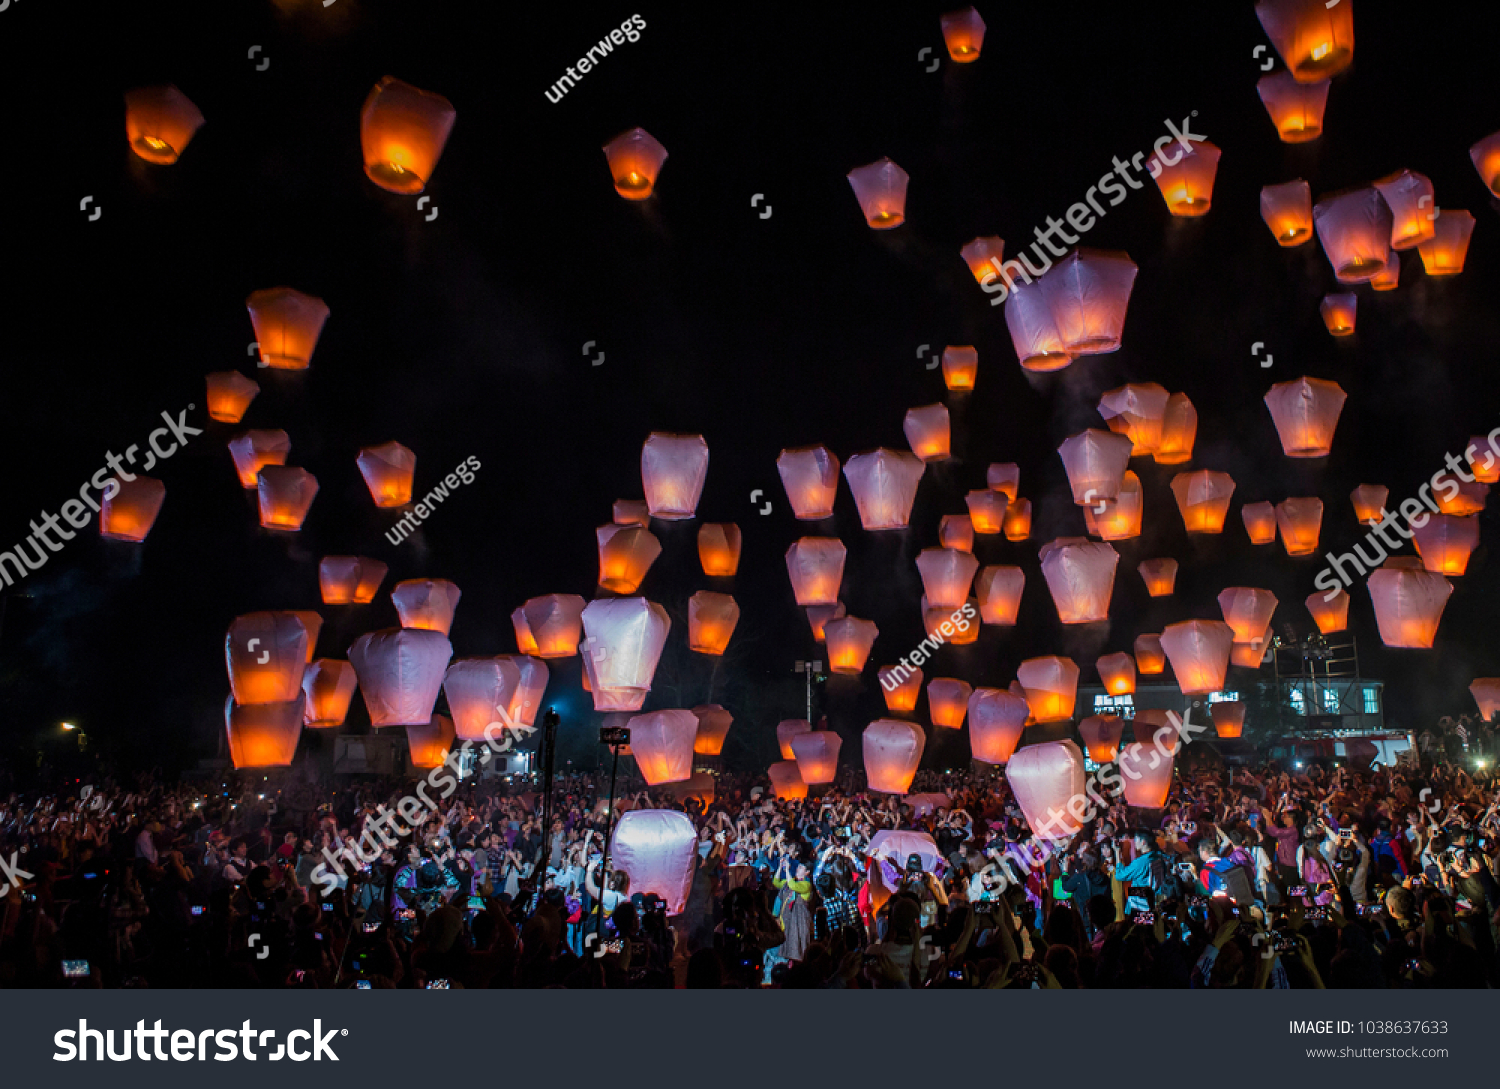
{"points": [[673, 468], [817, 756], [786, 781], [658, 848], [1287, 210], [1299, 520], [159, 122], [1369, 503], [265, 654], [986, 510], [1248, 611], [428, 744], [1445, 541], [901, 686], [1486, 158], [1306, 411], [1248, 655], [1004, 477], [884, 483], [1101, 736], [1260, 522], [1033, 327], [1088, 292], [1199, 652], [350, 580], [525, 641], [996, 721], [957, 532], [927, 431], [1179, 431], [960, 367], [963, 33], [952, 625], [1149, 656], [810, 475], [527, 699], [1296, 109], [1186, 178], [478, 689], [1117, 672], [1096, 462], [1147, 775], [1454, 495], [1409, 604], [635, 158], [1051, 685], [626, 553], [1338, 313], [1018, 520], [1389, 277], [816, 568], [787, 730], [712, 618], [1080, 575], [1483, 457], [285, 495], [880, 188], [287, 325], [400, 671], [1413, 207], [402, 132], [818, 617], [849, 641], [263, 735], [255, 449], [1119, 519], [892, 751], [130, 513], [999, 590], [947, 574], [624, 642], [1315, 41], [1160, 575], [1330, 615], [1443, 254], [662, 744], [1229, 718], [1486, 693], [1203, 499], [1355, 229], [948, 701], [328, 684], [229, 395], [630, 512], [984, 256], [713, 728], [1048, 783], [388, 470], [1136, 411], [719, 548], [555, 622], [426, 603]]}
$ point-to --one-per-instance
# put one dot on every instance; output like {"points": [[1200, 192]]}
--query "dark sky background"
{"points": [[463, 336]]}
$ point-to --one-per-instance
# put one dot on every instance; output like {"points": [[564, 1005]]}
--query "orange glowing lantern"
{"points": [[884, 483], [428, 744], [1486, 693], [525, 641], [1088, 293], [1080, 576], [948, 701], [350, 580], [1338, 313], [635, 158], [1034, 332], [1486, 158], [1306, 412], [229, 395], [1287, 210], [1484, 464], [999, 591], [947, 574], [630, 512], [984, 255], [1203, 499], [711, 621], [626, 553], [1355, 229], [400, 671], [1413, 206], [1096, 462], [960, 366], [1136, 411], [787, 731], [719, 548], [313, 622], [287, 325], [713, 728], [892, 751], [1149, 656], [1369, 503], [1229, 718], [527, 698], [1443, 254], [285, 494], [1186, 182], [817, 755], [428, 604], [901, 686], [963, 33], [1051, 685], [1147, 775], [1117, 671], [555, 622], [1160, 575], [1315, 41], [662, 744], [673, 468], [1248, 655], [263, 735], [927, 432], [1389, 277], [1329, 615], [1019, 692], [949, 625], [987, 510], [388, 470], [997, 719], [956, 531], [131, 512], [810, 475], [1300, 520], [1049, 785], [786, 782], [1199, 652], [880, 188], [849, 641], [1456, 496], [159, 122], [1296, 109], [477, 690], [328, 684], [1101, 736], [1118, 519], [816, 568], [819, 615], [1248, 611], [1260, 522], [1409, 604], [1018, 520], [1179, 430], [254, 450], [265, 654], [1004, 478], [624, 641], [1445, 541], [402, 130]]}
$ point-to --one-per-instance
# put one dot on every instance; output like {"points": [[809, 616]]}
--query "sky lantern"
{"points": [[927, 432], [1051, 685], [997, 719], [1088, 292], [1117, 671], [1101, 736], [880, 188], [1160, 575], [328, 684], [1306, 412], [884, 483], [131, 512], [1018, 520], [263, 735], [786, 782], [1287, 210], [429, 743], [938, 621], [1080, 575], [625, 636], [956, 531], [159, 122], [662, 744], [713, 728], [402, 130], [1034, 332], [900, 686], [1486, 693], [1187, 184], [266, 654], [1260, 522], [999, 589], [1179, 430], [635, 158], [349, 580], [229, 395], [1315, 41], [819, 615], [525, 641], [1136, 411], [287, 325], [1338, 313], [1409, 604], [1096, 462], [255, 449], [658, 848], [1299, 520], [1369, 503], [711, 621], [426, 603], [987, 510], [817, 756], [1330, 616], [626, 553], [1296, 109], [630, 512], [1486, 158], [1146, 774], [476, 689], [947, 574], [313, 622], [1445, 541], [673, 468], [948, 701], [527, 698], [1389, 277], [963, 33], [719, 548], [849, 641], [1454, 495], [1413, 206], [1016, 689], [1199, 652], [984, 256], [1229, 718], [555, 622], [1149, 656], [1004, 477], [1248, 611], [285, 494], [1203, 499], [810, 475], [892, 751], [1355, 229], [1121, 517], [1049, 785], [1248, 655], [1443, 254], [786, 731], [816, 568], [1484, 466], [400, 671], [960, 366], [388, 470]]}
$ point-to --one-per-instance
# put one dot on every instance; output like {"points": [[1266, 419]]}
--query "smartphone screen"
{"points": [[75, 969], [362, 984]]}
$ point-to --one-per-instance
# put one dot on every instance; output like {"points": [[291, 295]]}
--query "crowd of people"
{"points": [[1260, 876]]}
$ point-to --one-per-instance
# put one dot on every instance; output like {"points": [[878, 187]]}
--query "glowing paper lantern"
{"points": [[254, 450], [1484, 460], [1048, 783], [1300, 520], [1330, 616], [1287, 210], [624, 641], [662, 743], [287, 325], [1005, 478], [849, 641], [1088, 292], [999, 591], [388, 470], [673, 468], [949, 625], [1296, 109], [1413, 207], [1316, 42], [927, 432], [1179, 430], [1445, 541], [229, 395], [1160, 575], [1149, 656], [892, 751], [265, 654], [1136, 411], [1080, 575], [1454, 495], [1186, 184], [984, 256], [901, 686], [1199, 652], [328, 684], [810, 475], [477, 688], [880, 188], [1051, 685], [1018, 520], [1096, 462], [1146, 774], [1248, 611], [1306, 412], [884, 483], [626, 553], [630, 512], [527, 699], [960, 366], [635, 158], [400, 671], [349, 580], [957, 532], [1388, 277], [1229, 718], [1248, 655], [947, 574], [1355, 229], [159, 122], [987, 510], [555, 622], [658, 848], [426, 603], [1409, 604], [264, 735], [1260, 522], [719, 548], [1369, 503], [713, 728], [817, 756], [996, 721], [1120, 518], [1033, 327], [963, 33], [429, 743], [816, 568], [786, 783], [948, 701], [711, 621], [525, 641], [787, 731], [1443, 254], [818, 617], [1486, 693], [402, 130], [1486, 158], [1338, 313], [131, 512], [1101, 736], [313, 622], [285, 494], [1117, 671]]}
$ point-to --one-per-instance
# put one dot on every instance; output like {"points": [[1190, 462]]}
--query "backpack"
{"points": [[1164, 879], [1230, 878]]}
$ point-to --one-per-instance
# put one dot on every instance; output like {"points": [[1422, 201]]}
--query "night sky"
{"points": [[463, 336]]}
